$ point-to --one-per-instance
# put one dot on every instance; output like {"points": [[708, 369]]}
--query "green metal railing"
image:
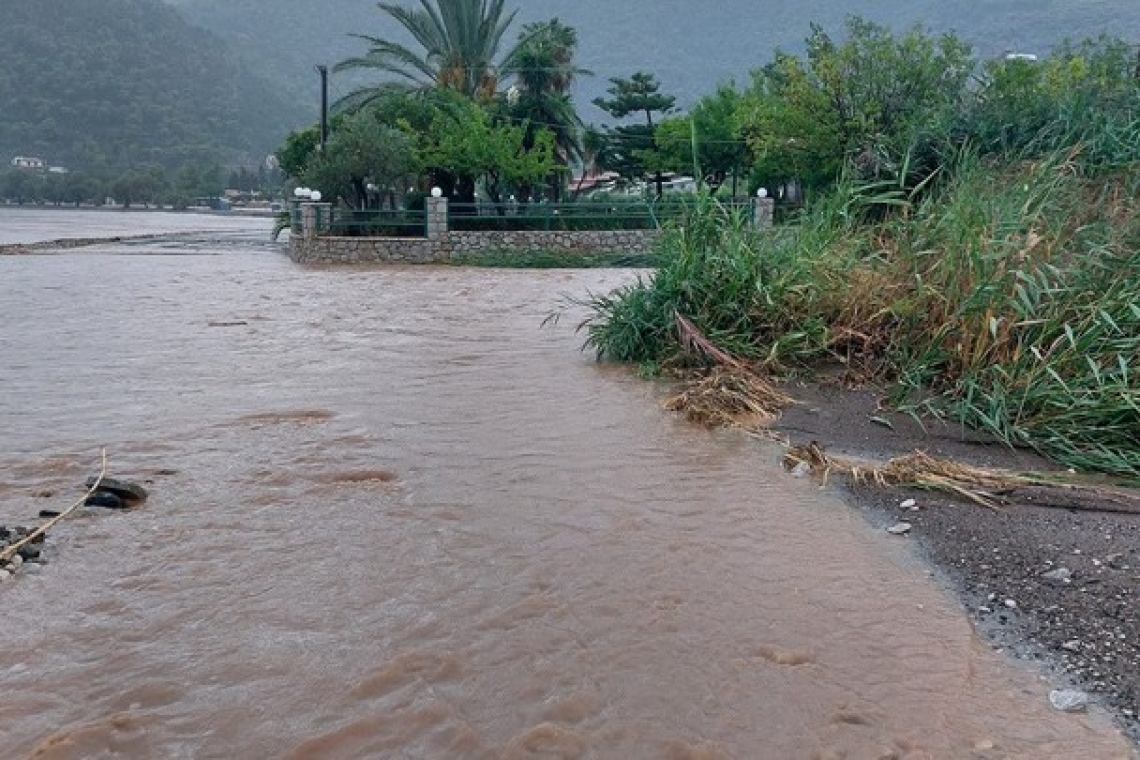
{"points": [[508, 217], [567, 216], [345, 222]]}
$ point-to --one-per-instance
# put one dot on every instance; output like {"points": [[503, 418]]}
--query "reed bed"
{"points": [[1007, 298]]}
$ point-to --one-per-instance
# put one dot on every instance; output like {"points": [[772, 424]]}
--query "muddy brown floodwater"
{"points": [[393, 517]]}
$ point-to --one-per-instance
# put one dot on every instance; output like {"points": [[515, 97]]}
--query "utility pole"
{"points": [[324, 72]]}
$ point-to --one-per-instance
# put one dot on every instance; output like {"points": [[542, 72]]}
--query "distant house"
{"points": [[591, 182], [28, 162]]}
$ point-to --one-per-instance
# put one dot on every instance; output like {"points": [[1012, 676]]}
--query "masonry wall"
{"points": [[447, 246], [312, 245]]}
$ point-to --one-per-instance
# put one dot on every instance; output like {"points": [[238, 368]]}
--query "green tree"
{"points": [[1077, 94], [632, 150], [80, 188], [465, 144], [867, 103], [22, 186], [197, 181], [362, 152], [145, 186], [711, 125], [457, 48], [54, 188], [299, 147]]}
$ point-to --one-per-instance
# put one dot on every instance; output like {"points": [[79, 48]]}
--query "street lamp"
{"points": [[324, 72]]}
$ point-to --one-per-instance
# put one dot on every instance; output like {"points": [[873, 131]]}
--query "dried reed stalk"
{"points": [[988, 487], [729, 395]]}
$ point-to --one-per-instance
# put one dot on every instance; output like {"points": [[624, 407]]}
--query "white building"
{"points": [[28, 162]]}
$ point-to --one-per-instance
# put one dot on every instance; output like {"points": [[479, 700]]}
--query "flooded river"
{"points": [[393, 517], [41, 224]]}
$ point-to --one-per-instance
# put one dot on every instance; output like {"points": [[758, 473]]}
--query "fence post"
{"points": [[763, 210], [308, 221], [436, 217], [315, 219]]}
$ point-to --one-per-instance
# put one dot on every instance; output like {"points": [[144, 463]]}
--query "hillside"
{"points": [[690, 46], [121, 83]]}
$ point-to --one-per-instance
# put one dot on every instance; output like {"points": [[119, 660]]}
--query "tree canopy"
{"points": [[862, 102], [457, 47], [630, 149]]}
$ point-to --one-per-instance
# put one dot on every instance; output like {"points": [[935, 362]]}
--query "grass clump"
{"points": [[718, 270]]}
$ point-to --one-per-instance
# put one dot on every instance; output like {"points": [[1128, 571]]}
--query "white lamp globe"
{"points": [[436, 192], [298, 192], [762, 192], [315, 195]]}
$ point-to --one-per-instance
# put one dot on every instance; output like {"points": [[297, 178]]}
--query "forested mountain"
{"points": [[118, 84], [690, 46], [126, 83]]}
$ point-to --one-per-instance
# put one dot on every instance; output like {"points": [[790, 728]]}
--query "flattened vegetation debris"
{"points": [[730, 397], [987, 487]]}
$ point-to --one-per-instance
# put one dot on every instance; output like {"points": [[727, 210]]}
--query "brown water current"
{"points": [[394, 517]]}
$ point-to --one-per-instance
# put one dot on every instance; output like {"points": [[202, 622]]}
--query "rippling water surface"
{"points": [[23, 224], [393, 517]]}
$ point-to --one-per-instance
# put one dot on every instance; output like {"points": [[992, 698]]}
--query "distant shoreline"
{"points": [[17, 249]]}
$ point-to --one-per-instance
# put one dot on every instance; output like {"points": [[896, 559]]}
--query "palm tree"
{"points": [[543, 58], [542, 64], [460, 41]]}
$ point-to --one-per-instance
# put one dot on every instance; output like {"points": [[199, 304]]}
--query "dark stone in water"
{"points": [[104, 499], [123, 489], [29, 551], [49, 513]]}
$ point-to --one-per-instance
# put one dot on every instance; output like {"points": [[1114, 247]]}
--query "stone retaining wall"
{"points": [[311, 244], [448, 246]]}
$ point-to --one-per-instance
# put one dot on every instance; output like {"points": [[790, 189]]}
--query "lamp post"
{"points": [[324, 72]]}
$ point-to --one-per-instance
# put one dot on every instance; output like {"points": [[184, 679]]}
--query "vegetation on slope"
{"points": [[128, 84]]}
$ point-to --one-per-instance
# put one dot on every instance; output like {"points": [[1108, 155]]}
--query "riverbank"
{"points": [[1049, 585]]}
